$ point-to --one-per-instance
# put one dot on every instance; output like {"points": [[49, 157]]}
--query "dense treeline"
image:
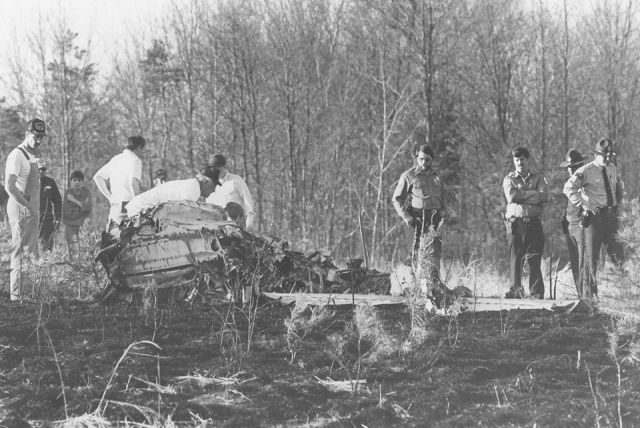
{"points": [[318, 104]]}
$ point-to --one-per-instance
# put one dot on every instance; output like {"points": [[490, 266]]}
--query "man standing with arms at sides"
{"points": [[571, 224], [596, 190], [526, 193], [120, 179], [419, 199], [50, 207], [232, 189], [23, 185]]}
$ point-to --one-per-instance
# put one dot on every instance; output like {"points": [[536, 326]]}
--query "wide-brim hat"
{"points": [[573, 158], [604, 146]]}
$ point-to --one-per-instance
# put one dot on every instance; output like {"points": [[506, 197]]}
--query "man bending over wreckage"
{"points": [[193, 189]]}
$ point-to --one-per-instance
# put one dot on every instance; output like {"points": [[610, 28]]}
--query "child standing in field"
{"points": [[76, 207]]}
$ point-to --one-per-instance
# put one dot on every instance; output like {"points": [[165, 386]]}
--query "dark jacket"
{"points": [[50, 200]]}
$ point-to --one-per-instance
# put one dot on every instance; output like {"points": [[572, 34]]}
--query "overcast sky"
{"points": [[106, 23]]}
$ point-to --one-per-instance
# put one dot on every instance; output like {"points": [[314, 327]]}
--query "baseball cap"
{"points": [[37, 127], [573, 158]]}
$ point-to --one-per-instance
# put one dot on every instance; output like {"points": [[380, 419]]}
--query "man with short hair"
{"points": [[192, 189], [419, 199], [571, 224], [120, 179], [596, 191], [22, 178], [526, 193], [50, 207], [232, 189]]}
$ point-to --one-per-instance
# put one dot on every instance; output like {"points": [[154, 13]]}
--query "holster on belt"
{"points": [[426, 217]]}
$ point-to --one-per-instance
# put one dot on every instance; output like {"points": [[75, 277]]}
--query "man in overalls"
{"points": [[23, 185]]}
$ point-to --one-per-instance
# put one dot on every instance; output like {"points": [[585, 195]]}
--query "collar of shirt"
{"points": [[417, 170], [529, 174]]}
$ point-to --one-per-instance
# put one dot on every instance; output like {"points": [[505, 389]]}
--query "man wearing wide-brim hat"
{"points": [[596, 190], [571, 223]]}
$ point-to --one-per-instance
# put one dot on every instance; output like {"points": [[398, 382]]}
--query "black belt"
{"points": [[608, 210]]}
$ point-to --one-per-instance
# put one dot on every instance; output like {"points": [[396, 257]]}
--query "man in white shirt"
{"points": [[119, 180], [193, 189], [22, 178], [233, 189]]}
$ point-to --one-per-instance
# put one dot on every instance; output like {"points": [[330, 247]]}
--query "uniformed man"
{"points": [[50, 207], [23, 185], [596, 191], [419, 199], [571, 224], [526, 193]]}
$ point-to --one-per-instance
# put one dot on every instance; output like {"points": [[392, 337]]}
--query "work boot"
{"points": [[514, 294]]}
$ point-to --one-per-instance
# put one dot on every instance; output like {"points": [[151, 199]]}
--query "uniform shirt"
{"points": [[120, 171], [423, 189], [176, 190], [50, 200], [586, 186], [233, 189], [18, 165], [525, 194]]}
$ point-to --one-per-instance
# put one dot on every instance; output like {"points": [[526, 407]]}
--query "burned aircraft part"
{"points": [[173, 245], [189, 246]]}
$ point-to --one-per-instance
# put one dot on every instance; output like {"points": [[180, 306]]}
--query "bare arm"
{"points": [[102, 186], [136, 186], [13, 190]]}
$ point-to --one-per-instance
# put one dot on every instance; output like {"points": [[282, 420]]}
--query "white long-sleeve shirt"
{"points": [[176, 190], [234, 189]]}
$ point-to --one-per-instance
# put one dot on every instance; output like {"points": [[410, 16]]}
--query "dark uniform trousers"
{"points": [[526, 242], [601, 230], [427, 247]]}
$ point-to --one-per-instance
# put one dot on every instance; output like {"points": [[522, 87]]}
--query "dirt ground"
{"points": [[189, 364]]}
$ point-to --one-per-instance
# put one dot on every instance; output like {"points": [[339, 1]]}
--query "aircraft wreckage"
{"points": [[183, 250], [186, 250]]}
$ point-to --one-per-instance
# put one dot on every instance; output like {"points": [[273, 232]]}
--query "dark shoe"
{"points": [[514, 294]]}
